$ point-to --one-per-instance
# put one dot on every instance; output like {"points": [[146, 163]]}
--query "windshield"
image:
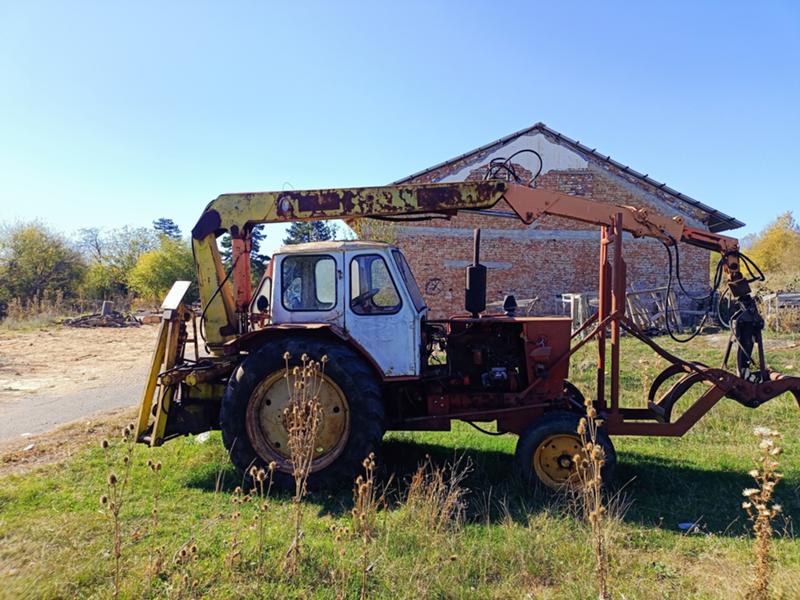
{"points": [[408, 278]]}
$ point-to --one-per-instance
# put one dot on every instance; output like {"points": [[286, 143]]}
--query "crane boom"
{"points": [[237, 214]]}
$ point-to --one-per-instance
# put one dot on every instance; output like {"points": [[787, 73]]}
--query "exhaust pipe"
{"points": [[475, 289]]}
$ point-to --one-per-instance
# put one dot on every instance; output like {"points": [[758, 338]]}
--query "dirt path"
{"points": [[55, 376]]}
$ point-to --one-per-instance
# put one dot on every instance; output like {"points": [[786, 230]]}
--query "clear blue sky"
{"points": [[116, 113]]}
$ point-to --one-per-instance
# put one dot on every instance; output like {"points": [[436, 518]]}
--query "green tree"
{"points": [[301, 232], [112, 255], [35, 261], [167, 227], [156, 270]]}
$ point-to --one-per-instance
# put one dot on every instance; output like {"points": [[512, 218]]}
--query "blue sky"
{"points": [[117, 113]]}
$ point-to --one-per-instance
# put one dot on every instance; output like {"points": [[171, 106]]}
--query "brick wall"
{"points": [[551, 257]]}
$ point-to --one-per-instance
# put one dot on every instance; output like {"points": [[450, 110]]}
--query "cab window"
{"points": [[372, 290], [408, 278], [308, 282]]}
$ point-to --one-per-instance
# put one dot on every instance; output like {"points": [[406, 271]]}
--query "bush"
{"points": [[156, 270]]}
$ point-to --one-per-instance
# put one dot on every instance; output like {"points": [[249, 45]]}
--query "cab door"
{"points": [[379, 313], [309, 288]]}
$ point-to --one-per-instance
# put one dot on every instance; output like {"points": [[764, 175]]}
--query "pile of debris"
{"points": [[107, 317]]}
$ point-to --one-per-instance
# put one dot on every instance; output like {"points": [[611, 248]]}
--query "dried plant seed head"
{"points": [[272, 466], [286, 356], [158, 466], [103, 500], [112, 479], [104, 444], [324, 359]]}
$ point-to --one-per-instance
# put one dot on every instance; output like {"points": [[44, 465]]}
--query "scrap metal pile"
{"points": [[112, 319]]}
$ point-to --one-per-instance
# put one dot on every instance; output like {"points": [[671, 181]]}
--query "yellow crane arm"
{"points": [[237, 214], [225, 303]]}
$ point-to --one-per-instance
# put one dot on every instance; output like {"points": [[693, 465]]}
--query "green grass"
{"points": [[55, 538]]}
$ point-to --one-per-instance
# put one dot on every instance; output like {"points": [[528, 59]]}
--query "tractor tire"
{"points": [[545, 449], [352, 422]]}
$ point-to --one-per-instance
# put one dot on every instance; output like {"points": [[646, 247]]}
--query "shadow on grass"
{"points": [[658, 491]]}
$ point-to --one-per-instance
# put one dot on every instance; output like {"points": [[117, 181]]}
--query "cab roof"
{"points": [[333, 246]]}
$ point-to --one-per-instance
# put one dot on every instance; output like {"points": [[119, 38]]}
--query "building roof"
{"points": [[717, 221]]}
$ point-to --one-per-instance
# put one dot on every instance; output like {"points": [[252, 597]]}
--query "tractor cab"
{"points": [[365, 289]]}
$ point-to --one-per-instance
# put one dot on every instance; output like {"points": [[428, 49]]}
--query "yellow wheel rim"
{"points": [[266, 425], [553, 460]]}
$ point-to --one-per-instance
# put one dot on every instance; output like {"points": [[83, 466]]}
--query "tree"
{"points": [[156, 270], [111, 256], [167, 227], [301, 232], [776, 249], [35, 261]]}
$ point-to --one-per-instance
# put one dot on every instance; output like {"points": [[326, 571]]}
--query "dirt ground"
{"points": [[62, 360], [63, 388], [20, 455]]}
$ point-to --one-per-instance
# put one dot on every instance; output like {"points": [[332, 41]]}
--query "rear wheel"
{"points": [[546, 451], [351, 423]]}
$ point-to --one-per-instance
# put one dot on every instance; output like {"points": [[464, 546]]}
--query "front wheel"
{"points": [[546, 450], [253, 418]]}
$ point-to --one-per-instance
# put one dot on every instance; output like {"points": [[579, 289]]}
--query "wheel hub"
{"points": [[267, 426], [553, 460]]}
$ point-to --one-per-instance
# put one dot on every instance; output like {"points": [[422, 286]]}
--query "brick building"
{"points": [[552, 256]]}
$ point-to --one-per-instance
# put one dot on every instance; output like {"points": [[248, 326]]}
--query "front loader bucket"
{"points": [[170, 346]]}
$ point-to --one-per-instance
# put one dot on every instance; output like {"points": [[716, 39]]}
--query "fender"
{"points": [[253, 339]]}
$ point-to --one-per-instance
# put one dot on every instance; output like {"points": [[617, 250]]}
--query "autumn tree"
{"points": [[157, 269], [776, 249], [111, 256], [35, 261]]}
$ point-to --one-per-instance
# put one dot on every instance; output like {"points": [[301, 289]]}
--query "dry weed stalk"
{"points": [[302, 418], [188, 554], [114, 498], [235, 545], [262, 479], [761, 509], [339, 573], [365, 510], [156, 562], [435, 496], [590, 463]]}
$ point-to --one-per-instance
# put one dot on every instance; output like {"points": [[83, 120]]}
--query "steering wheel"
{"points": [[365, 297]]}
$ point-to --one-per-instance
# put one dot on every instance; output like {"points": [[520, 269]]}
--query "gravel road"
{"points": [[39, 413]]}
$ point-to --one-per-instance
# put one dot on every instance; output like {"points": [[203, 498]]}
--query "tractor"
{"points": [[390, 367]]}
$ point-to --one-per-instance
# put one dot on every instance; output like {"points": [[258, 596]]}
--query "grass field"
{"points": [[55, 539]]}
